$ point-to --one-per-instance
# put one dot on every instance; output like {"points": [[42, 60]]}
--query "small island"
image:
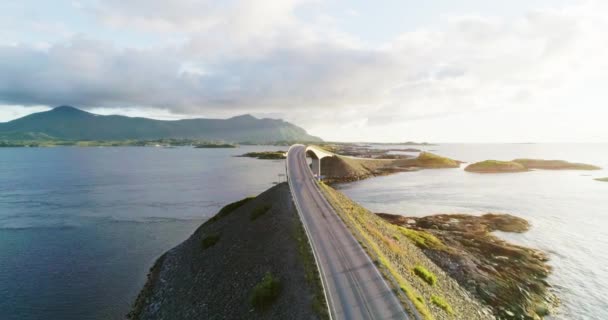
{"points": [[495, 166], [554, 164], [215, 145], [602, 179], [522, 165], [266, 155]]}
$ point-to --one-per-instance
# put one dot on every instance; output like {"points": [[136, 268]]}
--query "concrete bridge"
{"points": [[317, 154]]}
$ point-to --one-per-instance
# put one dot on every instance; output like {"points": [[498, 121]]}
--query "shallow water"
{"points": [[80, 227], [568, 210]]}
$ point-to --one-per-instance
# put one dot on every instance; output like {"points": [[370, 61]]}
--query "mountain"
{"points": [[69, 123]]}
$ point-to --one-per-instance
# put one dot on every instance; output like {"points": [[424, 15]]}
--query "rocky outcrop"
{"points": [[344, 169], [507, 277]]}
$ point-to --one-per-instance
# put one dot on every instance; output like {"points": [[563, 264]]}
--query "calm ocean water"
{"points": [[568, 209], [80, 227]]}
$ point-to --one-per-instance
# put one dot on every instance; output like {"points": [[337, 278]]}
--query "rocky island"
{"points": [[522, 165], [215, 146], [495, 166], [265, 155], [602, 179]]}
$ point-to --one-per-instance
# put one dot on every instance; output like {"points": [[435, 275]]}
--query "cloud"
{"points": [[263, 57]]}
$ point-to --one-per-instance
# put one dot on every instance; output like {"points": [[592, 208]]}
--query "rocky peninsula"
{"points": [[522, 165], [510, 279], [250, 261]]}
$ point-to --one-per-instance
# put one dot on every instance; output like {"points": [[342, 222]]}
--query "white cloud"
{"points": [[262, 57]]}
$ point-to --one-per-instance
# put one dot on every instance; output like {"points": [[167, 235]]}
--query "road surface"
{"points": [[353, 285]]}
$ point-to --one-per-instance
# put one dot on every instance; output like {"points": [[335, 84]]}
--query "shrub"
{"points": [[441, 303], [265, 292], [423, 239], [259, 211], [210, 240], [425, 275], [227, 209]]}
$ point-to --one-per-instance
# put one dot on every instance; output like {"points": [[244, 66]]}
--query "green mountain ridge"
{"points": [[69, 123]]}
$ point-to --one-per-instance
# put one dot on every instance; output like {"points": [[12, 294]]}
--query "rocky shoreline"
{"points": [[509, 278]]}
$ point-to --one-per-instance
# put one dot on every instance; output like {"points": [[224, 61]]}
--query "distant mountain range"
{"points": [[69, 123]]}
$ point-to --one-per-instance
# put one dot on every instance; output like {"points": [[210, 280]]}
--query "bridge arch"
{"points": [[317, 154]]}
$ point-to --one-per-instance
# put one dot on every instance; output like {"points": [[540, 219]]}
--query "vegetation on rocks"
{"points": [[214, 145], [210, 241], [259, 211], [495, 166], [425, 275], [520, 165], [510, 279], [342, 169], [397, 256], [265, 155], [554, 164], [441, 303], [227, 209], [265, 292]]}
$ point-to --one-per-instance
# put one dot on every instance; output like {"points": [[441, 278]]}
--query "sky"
{"points": [[357, 70]]}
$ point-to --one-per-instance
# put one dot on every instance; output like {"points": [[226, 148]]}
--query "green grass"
{"points": [[265, 292], [210, 240], [366, 228], [554, 164], [431, 160], [425, 275], [259, 211], [227, 209], [441, 303], [496, 166], [423, 239], [319, 305]]}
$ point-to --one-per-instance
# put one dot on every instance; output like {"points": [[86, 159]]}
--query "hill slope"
{"points": [[212, 275], [69, 123]]}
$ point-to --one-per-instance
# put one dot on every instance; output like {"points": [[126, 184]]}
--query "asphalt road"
{"points": [[354, 287]]}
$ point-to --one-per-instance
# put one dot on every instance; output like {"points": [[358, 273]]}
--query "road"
{"points": [[353, 286]]}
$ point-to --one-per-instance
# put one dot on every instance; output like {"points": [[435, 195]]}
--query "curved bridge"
{"points": [[317, 154]]}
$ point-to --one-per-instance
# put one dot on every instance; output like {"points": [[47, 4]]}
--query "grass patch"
{"points": [[431, 160], [259, 211], [311, 272], [265, 292], [554, 164], [210, 240], [425, 275], [495, 166], [423, 239], [227, 209], [441, 303]]}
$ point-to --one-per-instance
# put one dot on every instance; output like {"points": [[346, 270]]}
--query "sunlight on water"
{"points": [[568, 209]]}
